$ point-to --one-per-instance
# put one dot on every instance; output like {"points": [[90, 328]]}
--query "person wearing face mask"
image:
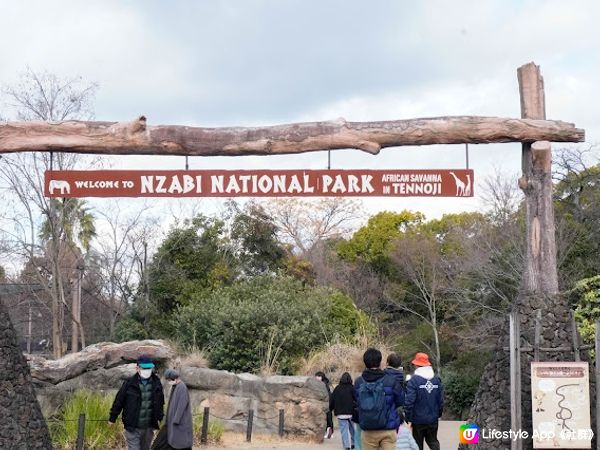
{"points": [[141, 400], [179, 413]]}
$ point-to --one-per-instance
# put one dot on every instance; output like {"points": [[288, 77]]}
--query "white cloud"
{"points": [[263, 62]]}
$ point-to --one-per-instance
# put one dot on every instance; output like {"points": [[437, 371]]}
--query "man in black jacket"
{"points": [[141, 399]]}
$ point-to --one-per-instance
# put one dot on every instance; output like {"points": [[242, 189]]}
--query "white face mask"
{"points": [[172, 382], [145, 373]]}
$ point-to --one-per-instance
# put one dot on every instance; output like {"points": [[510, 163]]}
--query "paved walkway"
{"points": [[448, 437]]}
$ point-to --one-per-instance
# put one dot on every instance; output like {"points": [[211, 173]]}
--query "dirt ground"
{"points": [[447, 435]]}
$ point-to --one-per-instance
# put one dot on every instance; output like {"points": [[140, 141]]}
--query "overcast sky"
{"points": [[253, 62]]}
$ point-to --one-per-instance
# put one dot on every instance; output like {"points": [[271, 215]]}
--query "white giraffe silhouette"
{"points": [[460, 185], [468, 186]]}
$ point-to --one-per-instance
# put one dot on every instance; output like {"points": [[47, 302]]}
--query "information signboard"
{"points": [[561, 405], [259, 183]]}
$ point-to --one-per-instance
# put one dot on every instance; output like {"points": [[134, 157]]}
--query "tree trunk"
{"points": [[135, 138], [436, 339], [57, 348], [23, 425], [79, 322], [539, 286], [74, 322], [540, 263]]}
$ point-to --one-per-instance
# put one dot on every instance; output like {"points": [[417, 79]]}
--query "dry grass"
{"points": [[340, 357], [193, 359]]}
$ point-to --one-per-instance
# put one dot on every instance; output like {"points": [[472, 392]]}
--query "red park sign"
{"points": [[259, 183]]}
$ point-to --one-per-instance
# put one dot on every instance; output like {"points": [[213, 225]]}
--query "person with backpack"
{"points": [[342, 405], [378, 397], [424, 402]]}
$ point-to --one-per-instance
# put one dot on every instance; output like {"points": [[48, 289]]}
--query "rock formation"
{"points": [[22, 426], [103, 367]]}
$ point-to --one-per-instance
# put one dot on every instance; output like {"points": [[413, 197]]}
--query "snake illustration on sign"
{"points": [[560, 405]]}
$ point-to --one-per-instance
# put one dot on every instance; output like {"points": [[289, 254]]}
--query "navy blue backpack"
{"points": [[372, 406]]}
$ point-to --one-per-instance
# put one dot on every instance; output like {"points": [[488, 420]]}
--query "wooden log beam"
{"points": [[118, 138]]}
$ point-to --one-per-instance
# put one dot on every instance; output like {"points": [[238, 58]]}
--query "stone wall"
{"points": [[491, 408], [229, 396], [22, 426]]}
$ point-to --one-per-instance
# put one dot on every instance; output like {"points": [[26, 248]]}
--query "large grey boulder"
{"points": [[99, 356], [229, 396]]}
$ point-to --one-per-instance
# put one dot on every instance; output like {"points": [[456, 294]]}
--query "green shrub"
{"points": [[98, 435], [265, 321], [586, 298], [461, 380], [215, 428], [129, 329]]}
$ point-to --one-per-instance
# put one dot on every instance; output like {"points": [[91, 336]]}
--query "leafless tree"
{"points": [[46, 97], [304, 223], [419, 260], [576, 172], [501, 196], [119, 256], [359, 281]]}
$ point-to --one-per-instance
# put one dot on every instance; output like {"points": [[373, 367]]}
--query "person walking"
{"points": [[342, 405], [378, 396], [180, 427], [424, 402], [357, 430], [405, 440], [394, 368], [141, 401], [329, 417]]}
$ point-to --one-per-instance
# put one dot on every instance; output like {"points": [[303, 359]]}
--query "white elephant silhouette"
{"points": [[63, 186]]}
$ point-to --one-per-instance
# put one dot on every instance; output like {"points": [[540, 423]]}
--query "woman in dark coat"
{"points": [[321, 376], [342, 404]]}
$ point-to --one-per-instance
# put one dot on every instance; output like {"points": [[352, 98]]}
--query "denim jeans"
{"points": [[357, 437], [139, 438], [346, 429]]}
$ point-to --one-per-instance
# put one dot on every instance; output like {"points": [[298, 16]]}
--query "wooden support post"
{"points": [[204, 431], [515, 377], [597, 379], [80, 432], [281, 421], [540, 275], [249, 427], [538, 336], [575, 334]]}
